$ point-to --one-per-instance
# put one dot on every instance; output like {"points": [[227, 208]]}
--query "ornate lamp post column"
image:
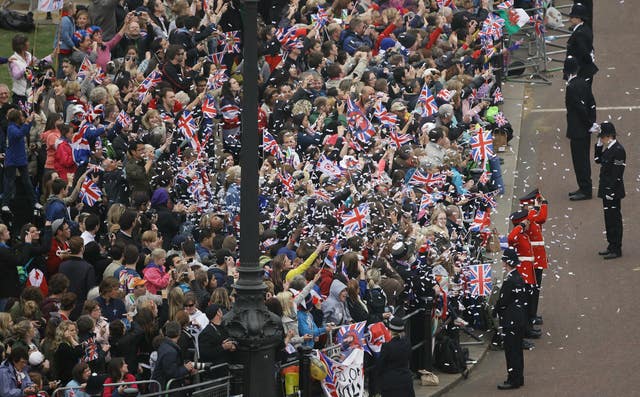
{"points": [[257, 331]]}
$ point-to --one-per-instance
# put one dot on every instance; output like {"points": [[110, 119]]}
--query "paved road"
{"points": [[589, 305]]}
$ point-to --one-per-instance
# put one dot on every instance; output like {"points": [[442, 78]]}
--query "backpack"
{"points": [[449, 356]]}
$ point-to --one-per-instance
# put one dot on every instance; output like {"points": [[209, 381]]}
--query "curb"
{"points": [[513, 110]]}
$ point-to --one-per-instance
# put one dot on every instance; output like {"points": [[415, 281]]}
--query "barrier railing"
{"points": [[59, 392], [196, 375], [219, 387]]}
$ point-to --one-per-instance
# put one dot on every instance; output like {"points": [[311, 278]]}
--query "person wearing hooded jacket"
{"points": [[335, 308]]}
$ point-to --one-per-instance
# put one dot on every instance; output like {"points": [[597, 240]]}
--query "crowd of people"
{"points": [[121, 189]]}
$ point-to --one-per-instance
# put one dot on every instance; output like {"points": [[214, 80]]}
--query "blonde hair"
{"points": [[158, 253], [145, 119], [149, 236], [373, 277], [5, 321], [71, 88], [284, 298], [176, 302], [60, 331], [21, 329], [220, 296], [115, 212]]}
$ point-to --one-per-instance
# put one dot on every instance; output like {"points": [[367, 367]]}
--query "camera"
{"points": [[202, 366], [137, 13]]}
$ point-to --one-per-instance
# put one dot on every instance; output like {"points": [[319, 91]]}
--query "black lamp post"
{"points": [[257, 330]]}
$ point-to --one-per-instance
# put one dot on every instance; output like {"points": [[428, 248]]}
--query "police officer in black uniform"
{"points": [[510, 307], [611, 156], [581, 114], [580, 44]]}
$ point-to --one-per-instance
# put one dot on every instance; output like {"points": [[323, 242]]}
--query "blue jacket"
{"points": [[16, 155], [8, 386], [306, 325], [67, 29], [351, 41], [56, 209]]}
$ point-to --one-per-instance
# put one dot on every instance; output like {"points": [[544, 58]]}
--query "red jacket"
{"points": [[63, 160], [54, 259], [519, 240], [537, 218]]}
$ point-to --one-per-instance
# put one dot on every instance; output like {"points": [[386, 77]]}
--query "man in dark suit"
{"points": [[510, 307], [580, 44], [581, 114], [611, 156], [213, 345]]}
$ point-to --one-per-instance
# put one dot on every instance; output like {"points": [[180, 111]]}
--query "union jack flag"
{"points": [[217, 78], [428, 101], [500, 120], [50, 5], [328, 167], [270, 145], [352, 336], [378, 335], [398, 140], [492, 26], [149, 82], [286, 36], [329, 364], [489, 199], [484, 178], [188, 171], [85, 68], [79, 144], [187, 126], [481, 221], [356, 219], [505, 5], [497, 96], [216, 57], [358, 123], [209, 110], [446, 3], [124, 119], [428, 200], [481, 145], [430, 180], [321, 18], [287, 181], [446, 95], [479, 279], [90, 193], [331, 260], [538, 24], [322, 194], [386, 118], [232, 40]]}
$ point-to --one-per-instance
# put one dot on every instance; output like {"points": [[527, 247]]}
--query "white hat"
{"points": [[36, 358]]}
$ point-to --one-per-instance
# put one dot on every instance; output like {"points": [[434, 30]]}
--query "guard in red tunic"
{"points": [[536, 204], [519, 240]]}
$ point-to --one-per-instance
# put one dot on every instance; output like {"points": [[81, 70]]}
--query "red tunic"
{"points": [[519, 240], [537, 218]]}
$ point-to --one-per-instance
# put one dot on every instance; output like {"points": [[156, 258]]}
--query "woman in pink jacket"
{"points": [[104, 49], [155, 274], [50, 137]]}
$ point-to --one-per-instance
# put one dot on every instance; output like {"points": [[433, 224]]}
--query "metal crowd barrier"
{"points": [[219, 387], [59, 392], [216, 392]]}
